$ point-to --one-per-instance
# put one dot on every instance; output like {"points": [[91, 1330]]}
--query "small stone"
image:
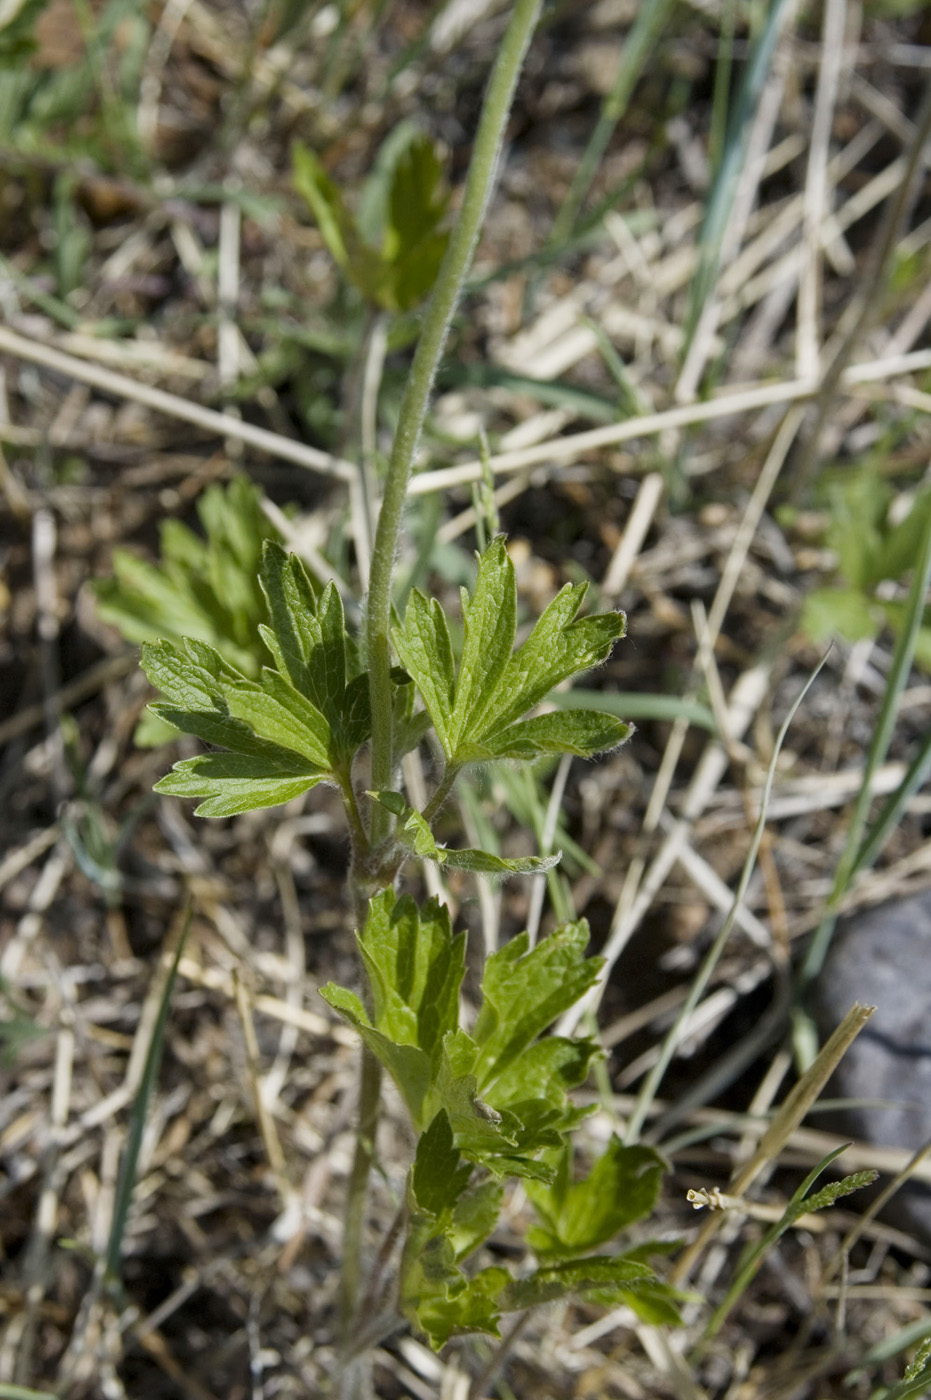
{"points": [[881, 957]]}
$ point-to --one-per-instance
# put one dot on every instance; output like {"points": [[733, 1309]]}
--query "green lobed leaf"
{"points": [[355, 720], [408, 1065], [277, 740], [143, 601], [524, 990], [193, 681], [328, 658], [423, 644], [473, 1309], [547, 1070], [480, 1131], [415, 966], [557, 648], [439, 1176], [474, 1217], [475, 714], [413, 245], [428, 1274], [581, 732], [621, 1188], [205, 589], [186, 684], [292, 608], [599, 1275], [490, 621], [274, 710], [484, 863], [231, 783], [545, 1125], [301, 719]]}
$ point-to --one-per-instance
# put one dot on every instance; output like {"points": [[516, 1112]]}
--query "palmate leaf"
{"points": [[205, 589], [473, 1308], [445, 1305], [408, 1065], [621, 1188], [476, 712], [231, 783], [414, 244], [439, 1176], [524, 990], [415, 967], [489, 621], [276, 752], [295, 726], [475, 1216], [499, 1119]]}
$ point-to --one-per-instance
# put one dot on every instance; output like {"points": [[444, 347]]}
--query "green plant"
{"points": [[204, 589], [392, 250], [493, 1102], [872, 548], [487, 1102], [490, 1102]]}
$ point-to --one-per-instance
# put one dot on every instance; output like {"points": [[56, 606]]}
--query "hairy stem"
{"points": [[446, 293], [443, 788], [358, 834]]}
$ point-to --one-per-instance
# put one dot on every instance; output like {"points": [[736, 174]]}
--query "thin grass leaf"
{"points": [[137, 1120], [645, 30], [724, 190], [653, 1080], [751, 1262], [636, 705], [851, 858], [918, 1331], [22, 1392], [894, 807]]}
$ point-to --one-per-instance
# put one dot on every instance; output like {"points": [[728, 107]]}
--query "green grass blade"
{"points": [[733, 158], [892, 1346], [722, 83], [894, 806], [853, 856], [636, 705], [22, 1392], [137, 1121], [751, 1261], [651, 17], [654, 1078]]}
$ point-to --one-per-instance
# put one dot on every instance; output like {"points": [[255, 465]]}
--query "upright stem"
{"points": [[447, 290], [363, 1157], [446, 293]]}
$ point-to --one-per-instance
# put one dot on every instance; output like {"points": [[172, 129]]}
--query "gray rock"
{"points": [[883, 957]]}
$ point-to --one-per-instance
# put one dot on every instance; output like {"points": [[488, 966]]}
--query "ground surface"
{"points": [[151, 231]]}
